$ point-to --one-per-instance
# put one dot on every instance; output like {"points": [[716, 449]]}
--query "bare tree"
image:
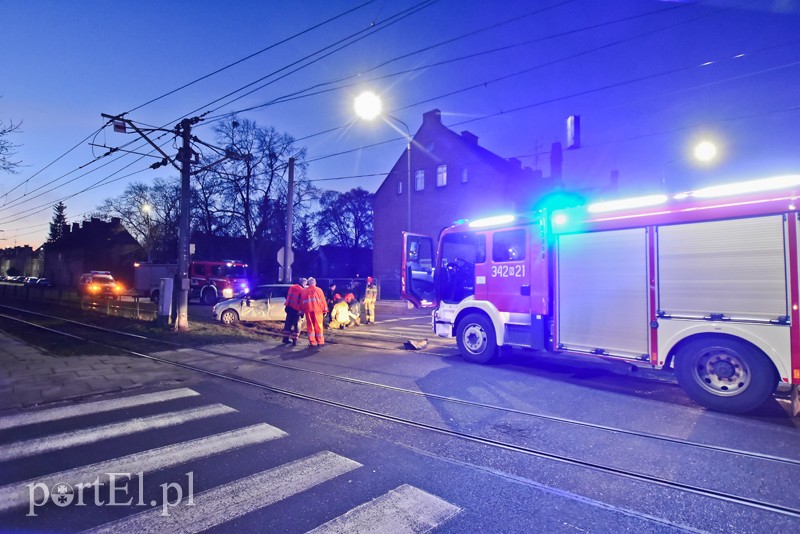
{"points": [[345, 219], [150, 214], [251, 194], [7, 148]]}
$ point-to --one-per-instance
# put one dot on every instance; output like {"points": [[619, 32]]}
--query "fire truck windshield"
{"points": [[460, 253], [230, 271]]}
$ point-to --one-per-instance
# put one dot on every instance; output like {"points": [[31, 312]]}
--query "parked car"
{"points": [[99, 284], [44, 282], [264, 303], [30, 280]]}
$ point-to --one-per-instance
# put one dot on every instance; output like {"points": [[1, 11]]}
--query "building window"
{"points": [[464, 175], [441, 176], [399, 188], [419, 182]]}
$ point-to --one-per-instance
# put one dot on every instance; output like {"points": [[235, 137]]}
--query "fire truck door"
{"points": [[508, 273], [416, 280]]}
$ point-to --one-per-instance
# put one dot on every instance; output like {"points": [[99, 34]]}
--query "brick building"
{"points": [[452, 177]]}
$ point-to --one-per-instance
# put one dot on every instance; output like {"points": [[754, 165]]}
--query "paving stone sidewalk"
{"points": [[29, 376]]}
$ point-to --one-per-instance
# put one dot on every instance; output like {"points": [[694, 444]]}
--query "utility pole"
{"points": [[185, 158], [287, 249]]}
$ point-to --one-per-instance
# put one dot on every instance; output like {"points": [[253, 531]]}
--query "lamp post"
{"points": [[368, 106]]}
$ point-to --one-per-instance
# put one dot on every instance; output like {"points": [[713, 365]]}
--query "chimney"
{"points": [[433, 116], [470, 137], [76, 227], [517, 164], [115, 221]]}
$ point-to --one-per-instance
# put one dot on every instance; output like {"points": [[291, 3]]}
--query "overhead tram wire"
{"points": [[250, 56], [390, 20], [254, 54], [299, 94], [304, 93], [103, 181], [341, 43], [516, 73], [22, 200]]}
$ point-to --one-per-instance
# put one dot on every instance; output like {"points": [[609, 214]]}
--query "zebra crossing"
{"points": [[403, 509]]}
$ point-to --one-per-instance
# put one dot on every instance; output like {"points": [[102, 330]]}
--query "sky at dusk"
{"points": [[649, 78]]}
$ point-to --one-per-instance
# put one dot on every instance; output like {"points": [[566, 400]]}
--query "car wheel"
{"points": [[476, 339], [209, 297], [229, 317], [725, 374]]}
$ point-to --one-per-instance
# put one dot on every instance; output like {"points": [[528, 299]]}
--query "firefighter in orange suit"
{"points": [[294, 311], [315, 307], [370, 296]]}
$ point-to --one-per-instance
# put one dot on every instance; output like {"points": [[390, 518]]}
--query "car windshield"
{"points": [[102, 279]]}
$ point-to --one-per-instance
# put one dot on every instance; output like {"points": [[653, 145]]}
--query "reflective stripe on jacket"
{"points": [[371, 294], [294, 297], [313, 300]]}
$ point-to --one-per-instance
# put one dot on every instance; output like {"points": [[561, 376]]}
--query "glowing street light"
{"points": [[705, 151], [368, 106]]}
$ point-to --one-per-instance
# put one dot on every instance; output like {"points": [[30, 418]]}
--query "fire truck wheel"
{"points": [[209, 297], [229, 317], [476, 339], [725, 374]]}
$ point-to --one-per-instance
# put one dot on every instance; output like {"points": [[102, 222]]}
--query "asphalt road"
{"points": [[338, 451]]}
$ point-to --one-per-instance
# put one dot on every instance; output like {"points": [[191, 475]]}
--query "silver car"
{"points": [[264, 303]]}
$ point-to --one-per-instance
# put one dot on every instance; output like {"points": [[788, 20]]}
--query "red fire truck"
{"points": [[705, 283], [210, 281]]}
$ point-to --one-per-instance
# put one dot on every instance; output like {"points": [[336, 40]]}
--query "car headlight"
{"points": [[227, 292]]}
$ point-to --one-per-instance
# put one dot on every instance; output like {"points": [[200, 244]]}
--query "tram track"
{"points": [[717, 494]]}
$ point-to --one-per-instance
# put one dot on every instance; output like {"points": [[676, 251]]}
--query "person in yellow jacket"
{"points": [[370, 297], [315, 307], [340, 313]]}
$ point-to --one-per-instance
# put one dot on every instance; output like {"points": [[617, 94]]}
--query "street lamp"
{"points": [[704, 152], [368, 106]]}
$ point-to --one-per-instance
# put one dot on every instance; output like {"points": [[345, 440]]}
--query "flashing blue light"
{"points": [[492, 221], [752, 186], [627, 203]]}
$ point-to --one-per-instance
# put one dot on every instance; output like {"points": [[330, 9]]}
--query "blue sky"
{"points": [[649, 79]]}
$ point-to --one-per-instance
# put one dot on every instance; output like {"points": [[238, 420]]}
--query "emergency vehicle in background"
{"points": [[210, 281], [706, 283]]}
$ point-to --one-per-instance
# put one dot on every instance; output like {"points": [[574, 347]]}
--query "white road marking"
{"points": [[21, 449], [404, 509], [17, 494], [54, 414], [236, 499]]}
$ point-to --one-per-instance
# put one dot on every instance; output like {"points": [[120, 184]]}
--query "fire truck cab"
{"points": [[705, 283]]}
